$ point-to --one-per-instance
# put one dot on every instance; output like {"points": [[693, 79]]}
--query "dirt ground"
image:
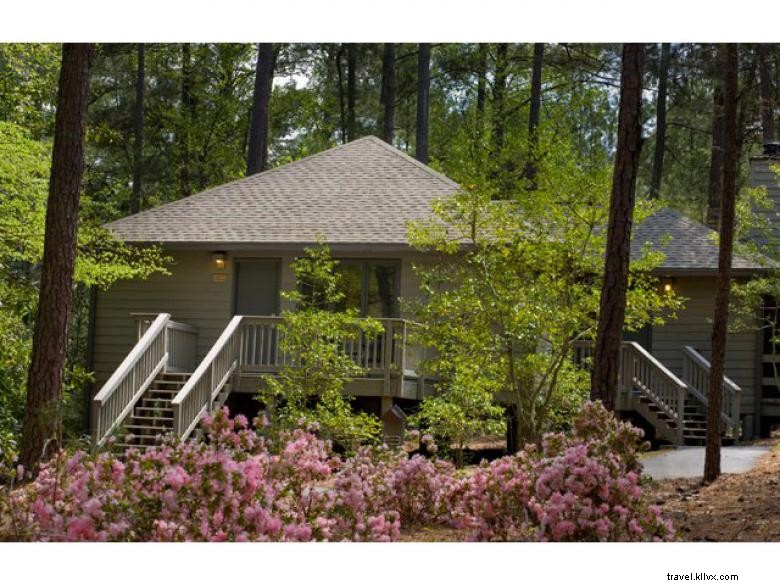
{"points": [[742, 507]]}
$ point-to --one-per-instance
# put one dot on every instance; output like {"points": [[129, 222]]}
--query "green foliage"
{"points": [[462, 409], [519, 283], [101, 260], [309, 389], [28, 85]]}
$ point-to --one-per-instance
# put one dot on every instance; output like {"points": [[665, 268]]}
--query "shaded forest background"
{"points": [[169, 120]]}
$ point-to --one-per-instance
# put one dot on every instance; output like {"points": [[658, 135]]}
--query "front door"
{"points": [[257, 287]]}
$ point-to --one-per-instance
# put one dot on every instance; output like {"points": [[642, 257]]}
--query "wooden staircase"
{"points": [[675, 407], [152, 415]]}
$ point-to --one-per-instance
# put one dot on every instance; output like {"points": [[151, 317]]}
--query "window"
{"points": [[371, 287]]}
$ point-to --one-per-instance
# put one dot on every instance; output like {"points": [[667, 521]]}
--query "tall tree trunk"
{"points": [[606, 358], [748, 101], [720, 317], [533, 115], [187, 113], [351, 91], [257, 152], [660, 122], [138, 122], [388, 93], [342, 106], [716, 160], [767, 91], [482, 55], [423, 93], [499, 90], [44, 381]]}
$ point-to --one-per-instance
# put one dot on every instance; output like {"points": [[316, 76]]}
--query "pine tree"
{"points": [[41, 431], [728, 197], [606, 357], [257, 152]]}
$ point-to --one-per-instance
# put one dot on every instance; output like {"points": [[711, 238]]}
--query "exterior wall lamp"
{"points": [[667, 284], [219, 260]]}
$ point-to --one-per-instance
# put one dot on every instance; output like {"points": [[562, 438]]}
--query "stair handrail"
{"points": [[696, 372], [115, 400], [198, 394], [656, 382]]}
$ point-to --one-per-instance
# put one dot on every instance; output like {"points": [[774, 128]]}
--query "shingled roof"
{"points": [[689, 246], [363, 192]]}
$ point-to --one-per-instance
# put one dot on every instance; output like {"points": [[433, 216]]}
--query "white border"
{"points": [[390, 20], [382, 564]]}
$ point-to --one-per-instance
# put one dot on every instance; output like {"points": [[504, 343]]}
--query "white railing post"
{"points": [[388, 355], [196, 397], [115, 400]]}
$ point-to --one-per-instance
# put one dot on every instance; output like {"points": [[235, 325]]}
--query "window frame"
{"points": [[364, 263]]}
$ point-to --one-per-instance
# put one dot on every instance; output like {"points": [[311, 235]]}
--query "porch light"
{"points": [[668, 285], [219, 260]]}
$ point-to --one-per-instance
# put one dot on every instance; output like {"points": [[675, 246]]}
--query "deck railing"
{"points": [[640, 372], [644, 373], [180, 341], [696, 372], [375, 353], [198, 394], [252, 345], [163, 345], [119, 394]]}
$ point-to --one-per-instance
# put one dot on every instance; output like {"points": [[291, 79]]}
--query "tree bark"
{"points": [[482, 54], [609, 337], [660, 122], [533, 115], [499, 90], [138, 122], [351, 91], [257, 151], [726, 246], [342, 105], [716, 160], [423, 92], [41, 428], [187, 106], [388, 93], [767, 91]]}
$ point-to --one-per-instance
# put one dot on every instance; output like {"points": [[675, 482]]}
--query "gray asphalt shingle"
{"points": [[363, 192], [687, 244]]}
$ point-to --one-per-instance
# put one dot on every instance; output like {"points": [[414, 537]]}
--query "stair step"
{"points": [[145, 429], [151, 420], [153, 410]]}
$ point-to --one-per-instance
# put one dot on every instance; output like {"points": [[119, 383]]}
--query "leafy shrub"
{"points": [[309, 387], [578, 487], [239, 485]]}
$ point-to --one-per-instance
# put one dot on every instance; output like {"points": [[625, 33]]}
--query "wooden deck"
{"points": [[388, 360], [250, 348]]}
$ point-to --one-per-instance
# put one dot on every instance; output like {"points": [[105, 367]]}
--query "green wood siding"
{"points": [[693, 327], [189, 294]]}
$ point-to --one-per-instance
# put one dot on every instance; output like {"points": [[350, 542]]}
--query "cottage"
{"points": [[169, 349]]}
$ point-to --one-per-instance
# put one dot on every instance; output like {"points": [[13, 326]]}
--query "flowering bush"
{"points": [[238, 485], [578, 487]]}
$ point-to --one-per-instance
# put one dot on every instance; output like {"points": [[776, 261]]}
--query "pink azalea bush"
{"points": [[583, 486], [238, 486]]}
